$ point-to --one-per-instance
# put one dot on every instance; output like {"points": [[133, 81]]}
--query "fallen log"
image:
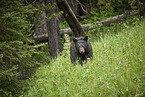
{"points": [[40, 38], [106, 22], [117, 18]]}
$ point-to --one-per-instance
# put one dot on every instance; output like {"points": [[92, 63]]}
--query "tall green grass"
{"points": [[117, 69]]}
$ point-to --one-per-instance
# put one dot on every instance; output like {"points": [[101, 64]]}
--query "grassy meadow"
{"points": [[117, 69]]}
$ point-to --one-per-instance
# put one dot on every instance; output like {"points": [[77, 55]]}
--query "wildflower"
{"points": [[127, 89], [116, 68], [137, 18], [68, 80], [120, 62], [87, 70], [114, 76], [143, 76]]}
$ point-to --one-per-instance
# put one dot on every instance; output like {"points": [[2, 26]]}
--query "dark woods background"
{"points": [[23, 20]]}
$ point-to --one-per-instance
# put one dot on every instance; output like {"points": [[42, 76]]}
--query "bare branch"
{"points": [[85, 11]]}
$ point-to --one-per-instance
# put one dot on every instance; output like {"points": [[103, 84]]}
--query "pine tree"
{"points": [[16, 61]]}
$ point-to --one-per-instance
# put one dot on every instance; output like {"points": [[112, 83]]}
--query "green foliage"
{"points": [[117, 68], [104, 9], [64, 25], [13, 53], [14, 57], [13, 20], [17, 60], [39, 8]]}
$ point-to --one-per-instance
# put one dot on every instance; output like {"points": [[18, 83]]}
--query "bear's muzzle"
{"points": [[81, 50]]}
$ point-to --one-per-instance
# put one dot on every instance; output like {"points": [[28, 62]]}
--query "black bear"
{"points": [[80, 49]]}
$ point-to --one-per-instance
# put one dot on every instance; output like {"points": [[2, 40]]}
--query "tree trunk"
{"points": [[70, 18], [40, 29], [54, 41]]}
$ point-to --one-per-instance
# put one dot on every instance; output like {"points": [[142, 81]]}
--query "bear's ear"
{"points": [[75, 40], [86, 38]]}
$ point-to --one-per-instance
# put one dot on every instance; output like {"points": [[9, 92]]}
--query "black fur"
{"points": [[79, 43]]}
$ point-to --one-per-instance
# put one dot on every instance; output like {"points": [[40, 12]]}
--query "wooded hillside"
{"points": [[25, 22]]}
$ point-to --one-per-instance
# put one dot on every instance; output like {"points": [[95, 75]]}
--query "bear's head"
{"points": [[81, 44]]}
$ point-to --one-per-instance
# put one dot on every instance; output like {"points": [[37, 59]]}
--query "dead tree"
{"points": [[70, 18]]}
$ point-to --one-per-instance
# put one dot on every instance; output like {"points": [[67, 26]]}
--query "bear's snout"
{"points": [[81, 50]]}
